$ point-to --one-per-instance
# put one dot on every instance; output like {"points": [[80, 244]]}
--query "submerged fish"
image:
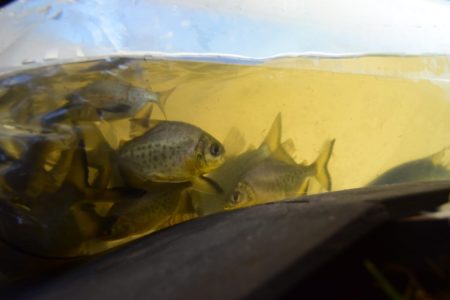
{"points": [[274, 179], [169, 152], [147, 213], [434, 167], [106, 99], [237, 163], [39, 161], [46, 227]]}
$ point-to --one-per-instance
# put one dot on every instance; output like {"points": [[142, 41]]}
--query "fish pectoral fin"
{"points": [[206, 185], [185, 210]]}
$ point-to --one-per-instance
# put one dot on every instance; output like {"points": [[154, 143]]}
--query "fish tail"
{"points": [[161, 100], [321, 165], [162, 109]]}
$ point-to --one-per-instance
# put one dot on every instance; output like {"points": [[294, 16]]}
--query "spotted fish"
{"points": [[169, 152]]}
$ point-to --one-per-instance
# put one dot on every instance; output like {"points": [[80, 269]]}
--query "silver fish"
{"points": [[274, 179], [237, 163], [107, 99]]}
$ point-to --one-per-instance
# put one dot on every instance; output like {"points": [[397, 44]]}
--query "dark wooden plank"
{"points": [[257, 252]]}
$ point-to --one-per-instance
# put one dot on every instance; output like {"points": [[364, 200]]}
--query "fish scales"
{"points": [[170, 152]]}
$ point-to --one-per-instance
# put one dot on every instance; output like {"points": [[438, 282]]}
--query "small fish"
{"points": [[434, 167], [39, 160], [106, 99], [238, 162], [147, 213], [170, 152], [274, 179], [44, 228]]}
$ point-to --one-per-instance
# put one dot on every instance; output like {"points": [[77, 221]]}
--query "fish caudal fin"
{"points": [[161, 100], [321, 165]]}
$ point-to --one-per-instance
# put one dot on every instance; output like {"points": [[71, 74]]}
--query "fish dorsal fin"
{"points": [[282, 155], [289, 147], [273, 137], [442, 158], [234, 142], [272, 142]]}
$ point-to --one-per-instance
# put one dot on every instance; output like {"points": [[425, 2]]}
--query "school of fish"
{"points": [[95, 167]]}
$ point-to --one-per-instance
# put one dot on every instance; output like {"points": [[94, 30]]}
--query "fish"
{"points": [[237, 162], [147, 213], [45, 228], [38, 160], [170, 151], [107, 99], [433, 167], [274, 179]]}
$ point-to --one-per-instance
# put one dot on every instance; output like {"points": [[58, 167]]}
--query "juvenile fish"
{"points": [[238, 162], [38, 161], [434, 167], [169, 152], [106, 99], [273, 179], [149, 212]]}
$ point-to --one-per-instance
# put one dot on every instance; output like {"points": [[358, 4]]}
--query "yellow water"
{"points": [[381, 111]]}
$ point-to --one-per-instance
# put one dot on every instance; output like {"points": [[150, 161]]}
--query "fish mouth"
{"points": [[235, 199]]}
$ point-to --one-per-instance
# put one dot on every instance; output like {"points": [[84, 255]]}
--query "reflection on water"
{"points": [[97, 153]]}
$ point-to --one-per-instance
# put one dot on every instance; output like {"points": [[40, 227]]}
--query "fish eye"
{"points": [[214, 149], [236, 195]]}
